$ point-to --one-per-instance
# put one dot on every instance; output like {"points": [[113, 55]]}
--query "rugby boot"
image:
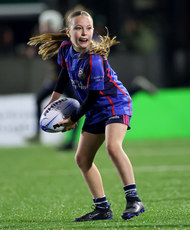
{"points": [[133, 208], [97, 214]]}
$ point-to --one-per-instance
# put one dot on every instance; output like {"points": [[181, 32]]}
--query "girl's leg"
{"points": [[87, 148], [114, 136]]}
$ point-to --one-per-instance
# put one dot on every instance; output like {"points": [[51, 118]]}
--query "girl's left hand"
{"points": [[68, 124]]}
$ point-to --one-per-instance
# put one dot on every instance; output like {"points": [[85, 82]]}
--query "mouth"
{"points": [[83, 40]]}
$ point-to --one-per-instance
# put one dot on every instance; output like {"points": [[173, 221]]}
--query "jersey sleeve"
{"points": [[91, 98], [96, 73], [62, 49], [60, 57], [62, 81]]}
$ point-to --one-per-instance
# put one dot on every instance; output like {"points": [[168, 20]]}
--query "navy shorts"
{"points": [[99, 127]]}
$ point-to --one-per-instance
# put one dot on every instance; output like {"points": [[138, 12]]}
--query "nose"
{"points": [[84, 31]]}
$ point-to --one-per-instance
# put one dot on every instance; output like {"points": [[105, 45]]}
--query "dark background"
{"points": [[158, 48]]}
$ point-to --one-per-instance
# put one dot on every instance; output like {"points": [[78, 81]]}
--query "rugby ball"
{"points": [[57, 111]]}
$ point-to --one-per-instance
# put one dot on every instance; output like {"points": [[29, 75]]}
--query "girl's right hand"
{"points": [[55, 96], [47, 105]]}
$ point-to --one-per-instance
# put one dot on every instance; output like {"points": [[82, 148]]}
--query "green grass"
{"points": [[43, 189]]}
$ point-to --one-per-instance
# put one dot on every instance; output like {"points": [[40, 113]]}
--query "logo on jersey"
{"points": [[81, 74], [78, 84], [114, 117]]}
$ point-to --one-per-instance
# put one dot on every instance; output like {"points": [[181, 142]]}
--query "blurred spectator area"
{"points": [[23, 75], [154, 36]]}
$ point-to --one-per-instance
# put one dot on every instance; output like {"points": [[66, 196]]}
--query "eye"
{"points": [[89, 28], [77, 28]]}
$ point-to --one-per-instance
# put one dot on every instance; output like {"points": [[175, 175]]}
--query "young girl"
{"points": [[104, 101]]}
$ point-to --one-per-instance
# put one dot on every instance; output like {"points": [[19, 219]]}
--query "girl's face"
{"points": [[80, 32]]}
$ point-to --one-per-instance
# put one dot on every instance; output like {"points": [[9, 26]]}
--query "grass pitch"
{"points": [[43, 189]]}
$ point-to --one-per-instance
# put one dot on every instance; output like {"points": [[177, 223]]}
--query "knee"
{"points": [[82, 162], [79, 160], [113, 149]]}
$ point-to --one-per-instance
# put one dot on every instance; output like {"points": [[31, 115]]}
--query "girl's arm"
{"points": [[71, 122], [62, 81], [86, 105], [55, 96]]}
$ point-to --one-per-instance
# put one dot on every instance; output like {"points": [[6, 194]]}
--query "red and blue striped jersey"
{"points": [[93, 72]]}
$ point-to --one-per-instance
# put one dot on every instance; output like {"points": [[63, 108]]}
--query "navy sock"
{"points": [[101, 202], [131, 192]]}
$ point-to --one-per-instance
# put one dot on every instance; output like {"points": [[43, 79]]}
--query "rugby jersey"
{"points": [[93, 72]]}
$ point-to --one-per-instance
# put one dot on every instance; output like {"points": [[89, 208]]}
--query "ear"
{"points": [[68, 33]]}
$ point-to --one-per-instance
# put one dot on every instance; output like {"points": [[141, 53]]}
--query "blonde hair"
{"points": [[50, 43]]}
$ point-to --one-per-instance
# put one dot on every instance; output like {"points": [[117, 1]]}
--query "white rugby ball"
{"points": [[57, 111]]}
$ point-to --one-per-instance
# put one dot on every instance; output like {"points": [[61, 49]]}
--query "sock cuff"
{"points": [[131, 192], [130, 186], [100, 200]]}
